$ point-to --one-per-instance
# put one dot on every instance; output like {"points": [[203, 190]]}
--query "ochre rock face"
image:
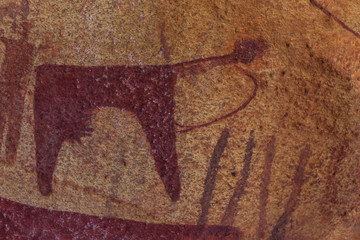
{"points": [[180, 119]]}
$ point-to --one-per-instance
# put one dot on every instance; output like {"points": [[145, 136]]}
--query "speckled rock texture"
{"points": [[223, 119]]}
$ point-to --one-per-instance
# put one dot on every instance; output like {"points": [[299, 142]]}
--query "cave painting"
{"points": [[42, 223], [27, 222], [66, 95], [18, 61]]}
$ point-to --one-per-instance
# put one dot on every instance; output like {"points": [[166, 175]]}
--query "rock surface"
{"points": [[187, 119]]}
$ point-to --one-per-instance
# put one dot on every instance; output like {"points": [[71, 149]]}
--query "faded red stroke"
{"points": [[342, 24], [211, 176], [264, 187], [231, 210], [23, 222], [165, 49], [66, 95], [18, 60], [338, 153], [279, 230]]}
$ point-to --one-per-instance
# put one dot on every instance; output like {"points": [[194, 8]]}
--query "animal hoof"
{"points": [[44, 185]]}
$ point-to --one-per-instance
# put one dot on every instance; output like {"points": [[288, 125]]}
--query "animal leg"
{"points": [[48, 144], [159, 126], [49, 135]]}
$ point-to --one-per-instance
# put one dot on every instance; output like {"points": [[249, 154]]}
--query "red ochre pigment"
{"points": [[66, 95], [23, 222], [17, 64]]}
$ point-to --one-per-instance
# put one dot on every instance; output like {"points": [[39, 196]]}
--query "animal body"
{"points": [[64, 96]]}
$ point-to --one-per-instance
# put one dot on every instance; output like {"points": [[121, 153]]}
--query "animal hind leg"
{"points": [[49, 135], [48, 143], [159, 127]]}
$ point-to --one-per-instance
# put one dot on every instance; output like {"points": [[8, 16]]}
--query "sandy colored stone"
{"points": [[308, 95]]}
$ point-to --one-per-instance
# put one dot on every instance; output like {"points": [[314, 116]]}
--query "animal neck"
{"points": [[221, 60]]}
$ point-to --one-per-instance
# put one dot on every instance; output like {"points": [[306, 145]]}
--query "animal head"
{"points": [[246, 50]]}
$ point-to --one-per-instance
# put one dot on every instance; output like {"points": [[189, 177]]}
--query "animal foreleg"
{"points": [[49, 135], [48, 144], [159, 127]]}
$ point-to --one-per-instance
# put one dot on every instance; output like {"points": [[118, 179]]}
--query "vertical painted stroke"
{"points": [[17, 64], [279, 231], [164, 44], [211, 176], [231, 210], [264, 191], [342, 24]]}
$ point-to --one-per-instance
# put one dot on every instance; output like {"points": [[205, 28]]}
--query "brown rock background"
{"points": [[308, 98]]}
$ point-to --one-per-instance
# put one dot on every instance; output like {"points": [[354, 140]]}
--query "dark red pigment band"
{"points": [[23, 222], [210, 179], [66, 95]]}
